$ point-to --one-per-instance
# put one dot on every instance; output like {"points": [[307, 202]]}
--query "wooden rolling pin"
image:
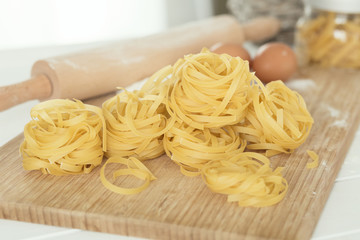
{"points": [[99, 71]]}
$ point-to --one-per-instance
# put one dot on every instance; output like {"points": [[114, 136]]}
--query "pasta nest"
{"points": [[210, 90], [63, 137], [247, 179], [135, 125], [277, 120], [192, 148]]}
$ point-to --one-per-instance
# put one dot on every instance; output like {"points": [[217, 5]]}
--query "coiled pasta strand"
{"points": [[64, 137]]}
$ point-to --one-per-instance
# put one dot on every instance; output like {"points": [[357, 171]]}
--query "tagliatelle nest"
{"points": [[277, 120], [192, 148], [135, 125], [247, 179], [210, 90], [63, 137]]}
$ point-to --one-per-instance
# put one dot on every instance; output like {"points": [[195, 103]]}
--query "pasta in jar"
{"points": [[329, 34]]}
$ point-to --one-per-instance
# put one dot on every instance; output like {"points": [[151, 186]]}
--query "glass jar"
{"points": [[286, 11], [328, 34]]}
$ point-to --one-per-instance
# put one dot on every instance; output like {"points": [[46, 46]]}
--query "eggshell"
{"points": [[274, 61], [233, 49]]}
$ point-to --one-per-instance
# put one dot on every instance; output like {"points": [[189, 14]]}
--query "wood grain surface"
{"points": [[179, 207]]}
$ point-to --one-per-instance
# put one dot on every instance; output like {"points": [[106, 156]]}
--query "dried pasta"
{"points": [[207, 112], [210, 90], [314, 157], [330, 40], [64, 137], [208, 107], [247, 179], [277, 120], [135, 125], [192, 148], [134, 168]]}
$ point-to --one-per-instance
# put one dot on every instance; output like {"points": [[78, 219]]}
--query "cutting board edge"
{"points": [[124, 226], [340, 156]]}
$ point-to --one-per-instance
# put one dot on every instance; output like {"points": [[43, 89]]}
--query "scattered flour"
{"points": [[301, 84], [51, 63], [70, 63], [132, 60], [340, 120], [74, 65], [333, 111], [340, 123]]}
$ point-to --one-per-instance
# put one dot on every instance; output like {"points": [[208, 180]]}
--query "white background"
{"points": [[34, 29], [30, 23]]}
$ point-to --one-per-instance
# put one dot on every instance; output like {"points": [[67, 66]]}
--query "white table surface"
{"points": [[340, 218]]}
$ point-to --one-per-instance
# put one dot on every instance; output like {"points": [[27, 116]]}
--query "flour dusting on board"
{"points": [[342, 123], [301, 84], [340, 118], [333, 111]]}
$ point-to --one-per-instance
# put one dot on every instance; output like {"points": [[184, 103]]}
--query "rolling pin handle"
{"points": [[38, 87]]}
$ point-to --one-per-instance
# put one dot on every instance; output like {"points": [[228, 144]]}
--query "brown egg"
{"points": [[274, 61], [233, 49]]}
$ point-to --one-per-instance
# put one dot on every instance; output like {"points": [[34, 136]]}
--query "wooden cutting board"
{"points": [[179, 207]]}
